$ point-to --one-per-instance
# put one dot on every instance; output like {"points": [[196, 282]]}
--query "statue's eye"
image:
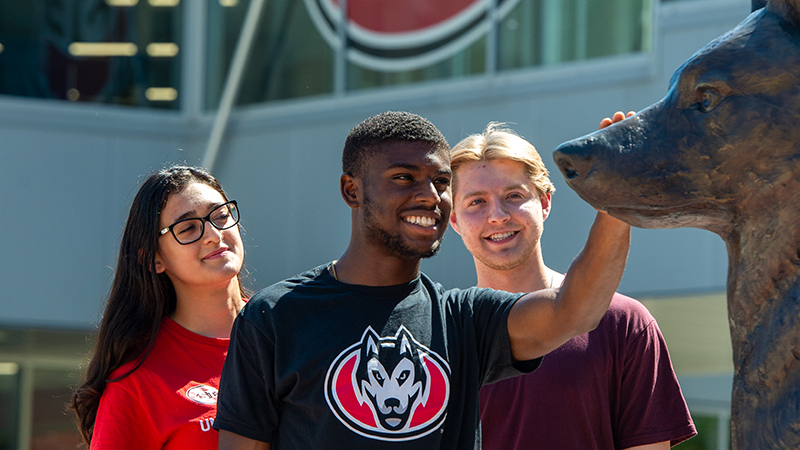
{"points": [[710, 99]]}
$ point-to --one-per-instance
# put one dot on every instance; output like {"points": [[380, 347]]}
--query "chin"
{"points": [[433, 249], [431, 253], [506, 262], [230, 270]]}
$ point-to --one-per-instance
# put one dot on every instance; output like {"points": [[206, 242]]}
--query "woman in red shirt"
{"points": [[153, 378]]}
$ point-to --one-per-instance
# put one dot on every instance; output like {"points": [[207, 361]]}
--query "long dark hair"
{"points": [[139, 297]]}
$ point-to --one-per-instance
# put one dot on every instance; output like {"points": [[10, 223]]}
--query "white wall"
{"points": [[67, 176]]}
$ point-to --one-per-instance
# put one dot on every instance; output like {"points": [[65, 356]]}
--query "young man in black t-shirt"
{"points": [[366, 352]]}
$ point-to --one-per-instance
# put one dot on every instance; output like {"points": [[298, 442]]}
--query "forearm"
{"points": [[232, 441], [594, 275], [657, 446], [541, 321]]}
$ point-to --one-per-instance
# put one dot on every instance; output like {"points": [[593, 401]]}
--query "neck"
{"points": [[764, 313], [531, 276], [374, 269], [208, 312], [763, 277]]}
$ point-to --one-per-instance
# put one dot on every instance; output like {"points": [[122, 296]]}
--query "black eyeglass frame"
{"points": [[205, 219]]}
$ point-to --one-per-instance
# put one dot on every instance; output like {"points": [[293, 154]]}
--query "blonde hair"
{"points": [[500, 142]]}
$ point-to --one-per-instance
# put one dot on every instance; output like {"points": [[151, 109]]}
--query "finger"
{"points": [[605, 122], [630, 113], [618, 117]]}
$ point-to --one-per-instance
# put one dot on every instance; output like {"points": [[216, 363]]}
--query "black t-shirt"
{"points": [[318, 364]]}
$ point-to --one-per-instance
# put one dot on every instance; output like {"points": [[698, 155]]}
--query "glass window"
{"points": [[391, 43], [53, 425], [544, 32], [469, 61], [104, 51], [9, 404], [128, 52], [288, 57], [38, 369], [388, 43]]}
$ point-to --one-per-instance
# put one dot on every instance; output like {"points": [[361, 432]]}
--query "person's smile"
{"points": [[218, 253], [502, 237], [423, 221]]}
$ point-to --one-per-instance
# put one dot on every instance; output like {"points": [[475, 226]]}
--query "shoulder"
{"points": [[150, 365], [469, 296], [299, 284], [622, 304], [432, 286], [627, 313], [132, 371], [124, 370], [285, 302], [129, 377]]}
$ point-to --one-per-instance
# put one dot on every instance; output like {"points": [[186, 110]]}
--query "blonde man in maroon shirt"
{"points": [[611, 388]]}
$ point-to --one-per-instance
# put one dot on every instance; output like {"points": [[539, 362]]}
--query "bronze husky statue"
{"points": [[721, 152]]}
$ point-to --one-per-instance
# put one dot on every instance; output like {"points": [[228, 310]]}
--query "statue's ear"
{"points": [[786, 9]]}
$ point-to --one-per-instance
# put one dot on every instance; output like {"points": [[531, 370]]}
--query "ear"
{"points": [[454, 222], [370, 343], [350, 188], [545, 200], [405, 346], [786, 9], [403, 340], [159, 265]]}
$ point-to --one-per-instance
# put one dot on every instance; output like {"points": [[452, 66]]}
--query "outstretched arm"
{"points": [[657, 446], [543, 320]]}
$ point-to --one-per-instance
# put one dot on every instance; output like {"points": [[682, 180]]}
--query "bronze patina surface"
{"points": [[721, 152]]}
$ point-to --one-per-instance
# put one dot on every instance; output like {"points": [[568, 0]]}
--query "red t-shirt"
{"points": [[611, 388], [170, 401]]}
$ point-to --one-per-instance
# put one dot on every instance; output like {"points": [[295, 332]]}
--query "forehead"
{"points": [[409, 154], [195, 199], [490, 175], [751, 57]]}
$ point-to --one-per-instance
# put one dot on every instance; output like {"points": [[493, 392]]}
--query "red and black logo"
{"points": [[389, 388], [392, 35]]}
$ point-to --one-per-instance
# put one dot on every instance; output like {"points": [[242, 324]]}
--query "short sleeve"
{"points": [[652, 407], [489, 310], [123, 422], [246, 404]]}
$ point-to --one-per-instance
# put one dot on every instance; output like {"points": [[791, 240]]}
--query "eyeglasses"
{"points": [[191, 230]]}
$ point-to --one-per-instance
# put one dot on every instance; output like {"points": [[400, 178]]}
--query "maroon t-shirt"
{"points": [[611, 388]]}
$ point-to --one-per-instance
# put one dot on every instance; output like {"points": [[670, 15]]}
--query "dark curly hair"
{"points": [[389, 126]]}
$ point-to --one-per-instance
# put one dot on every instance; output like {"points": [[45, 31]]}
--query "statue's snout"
{"points": [[574, 160]]}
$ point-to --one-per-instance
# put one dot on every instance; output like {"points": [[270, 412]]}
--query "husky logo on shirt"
{"points": [[389, 388]]}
